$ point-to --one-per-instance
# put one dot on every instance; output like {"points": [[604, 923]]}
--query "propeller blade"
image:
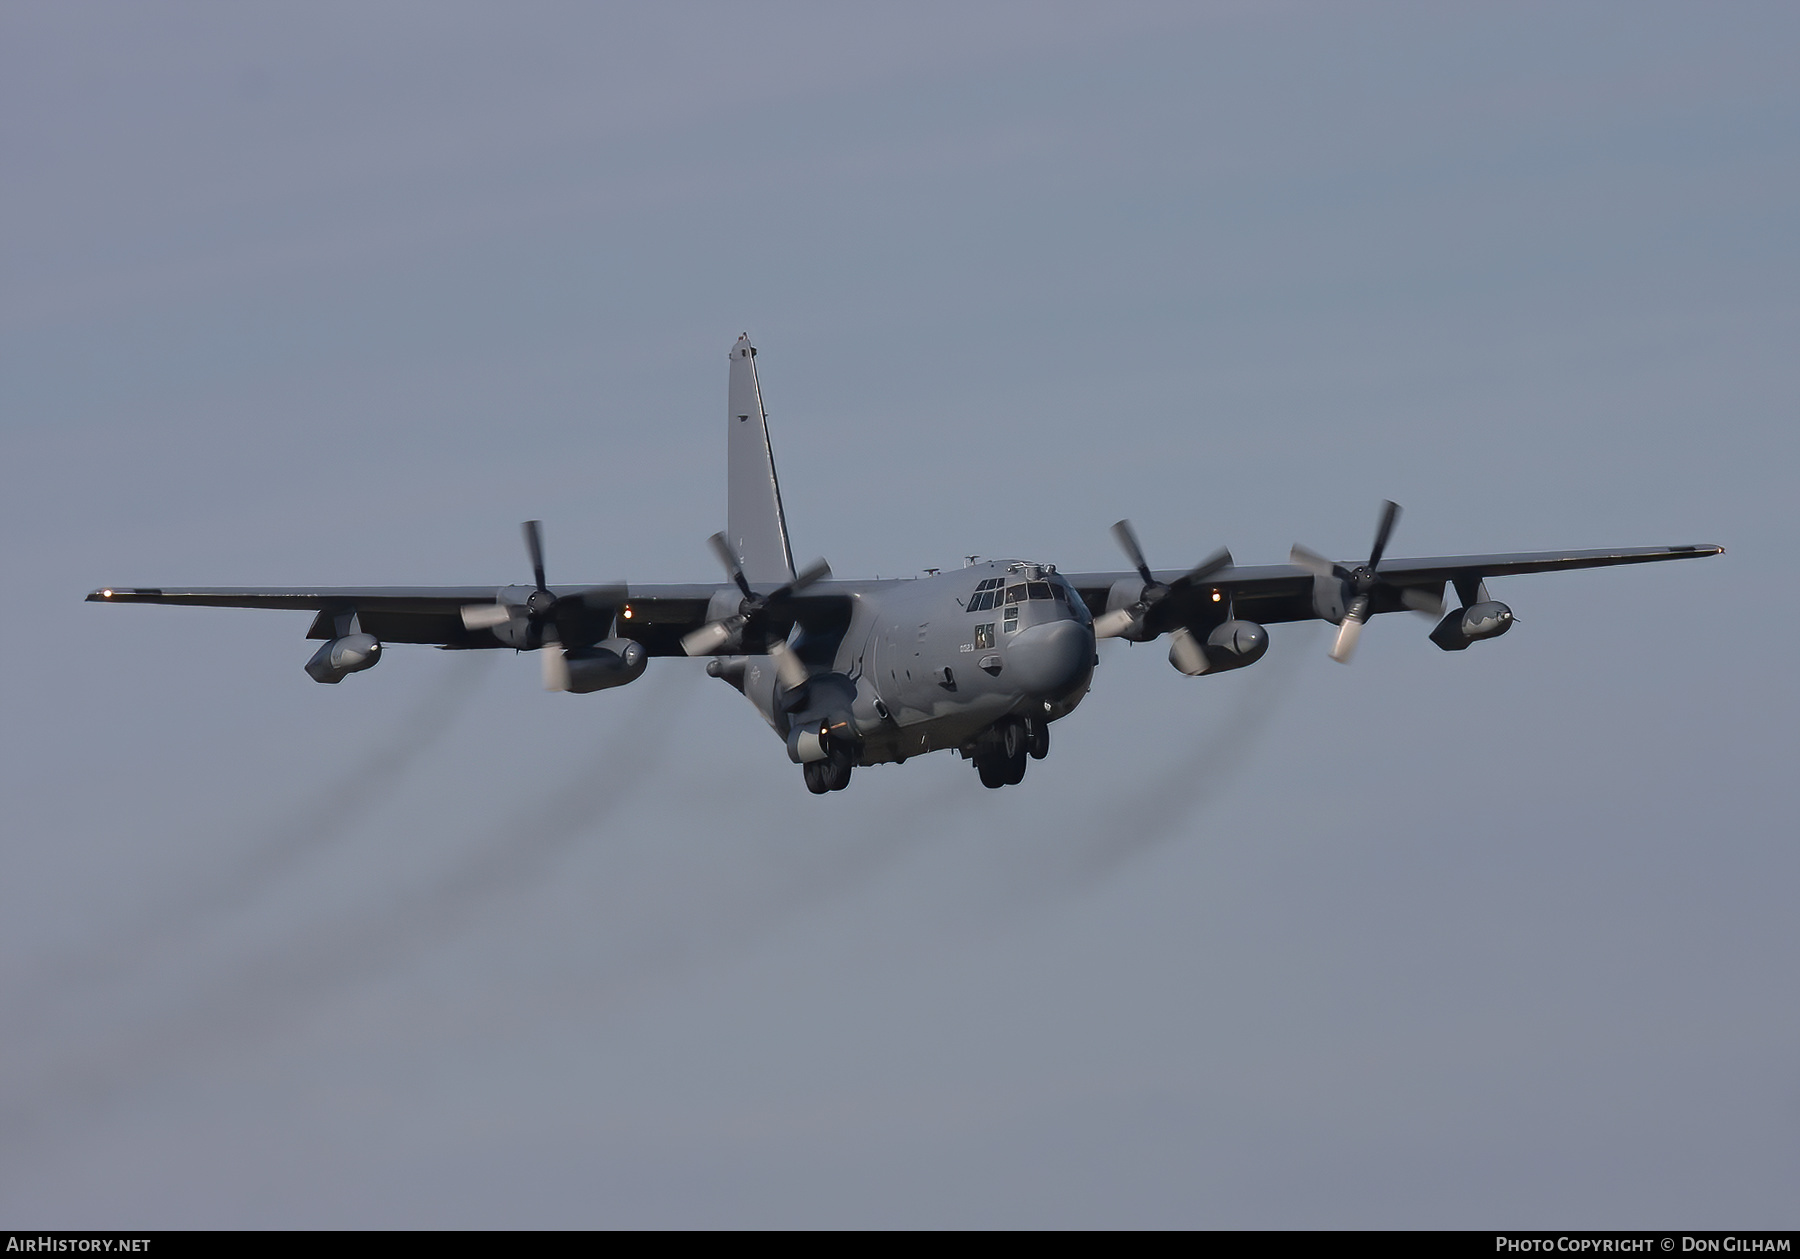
{"points": [[556, 667], [1112, 624], [818, 570], [1347, 635], [1127, 538], [1390, 512], [788, 666], [709, 639], [575, 619], [1350, 630], [1423, 601], [1312, 562], [1186, 653], [1220, 558], [534, 543], [478, 616], [729, 559]]}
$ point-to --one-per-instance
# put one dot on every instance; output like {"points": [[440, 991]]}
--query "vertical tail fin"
{"points": [[754, 520]]}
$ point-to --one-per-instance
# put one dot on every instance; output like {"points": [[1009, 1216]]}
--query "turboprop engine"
{"points": [[340, 657], [1231, 645], [822, 724], [1462, 626], [583, 670], [817, 738]]}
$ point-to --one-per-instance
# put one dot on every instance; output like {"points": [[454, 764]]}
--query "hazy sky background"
{"points": [[341, 294]]}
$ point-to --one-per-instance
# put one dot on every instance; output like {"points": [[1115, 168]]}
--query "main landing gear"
{"points": [[830, 774], [1000, 753]]}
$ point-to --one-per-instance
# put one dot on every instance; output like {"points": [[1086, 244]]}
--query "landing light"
{"points": [[627, 614], [106, 594], [1217, 596]]}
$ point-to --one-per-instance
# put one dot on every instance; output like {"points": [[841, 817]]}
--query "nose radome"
{"points": [[1051, 660]]}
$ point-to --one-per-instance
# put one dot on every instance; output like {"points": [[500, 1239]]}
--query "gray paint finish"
{"points": [[756, 524], [891, 670], [336, 295]]}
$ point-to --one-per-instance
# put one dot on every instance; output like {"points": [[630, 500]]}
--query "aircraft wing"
{"points": [[656, 616], [1283, 592]]}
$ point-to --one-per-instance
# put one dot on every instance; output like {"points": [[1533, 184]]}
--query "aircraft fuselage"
{"points": [[935, 662]]}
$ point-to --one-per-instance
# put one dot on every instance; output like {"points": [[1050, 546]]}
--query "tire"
{"points": [[1038, 742], [1014, 768], [1012, 737], [992, 773], [815, 777], [836, 773]]}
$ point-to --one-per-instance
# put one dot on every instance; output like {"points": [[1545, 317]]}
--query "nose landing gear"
{"points": [[1000, 754], [830, 774]]}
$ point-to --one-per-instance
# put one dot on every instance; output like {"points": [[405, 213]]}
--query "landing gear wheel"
{"points": [[1015, 768], [993, 773], [815, 777], [1014, 741], [836, 771], [1012, 737], [1037, 738]]}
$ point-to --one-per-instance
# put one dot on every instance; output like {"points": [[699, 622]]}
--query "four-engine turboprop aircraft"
{"points": [[981, 660]]}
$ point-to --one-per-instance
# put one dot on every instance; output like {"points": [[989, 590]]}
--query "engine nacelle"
{"points": [[1122, 594], [809, 742], [341, 657], [1231, 645], [828, 729], [607, 664], [1462, 626]]}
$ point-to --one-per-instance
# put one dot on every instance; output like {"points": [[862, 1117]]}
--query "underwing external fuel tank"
{"points": [[1231, 645], [1462, 626], [601, 667], [340, 657]]}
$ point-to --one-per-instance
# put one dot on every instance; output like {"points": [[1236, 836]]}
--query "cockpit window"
{"points": [[1038, 589], [987, 595], [1015, 594]]}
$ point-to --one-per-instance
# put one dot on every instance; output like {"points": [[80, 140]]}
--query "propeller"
{"points": [[1131, 621], [748, 629], [1361, 584], [543, 617]]}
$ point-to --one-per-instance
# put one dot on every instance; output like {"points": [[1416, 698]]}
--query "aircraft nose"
{"points": [[1052, 660]]}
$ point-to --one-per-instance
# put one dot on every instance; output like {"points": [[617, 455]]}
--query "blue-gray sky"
{"points": [[343, 293]]}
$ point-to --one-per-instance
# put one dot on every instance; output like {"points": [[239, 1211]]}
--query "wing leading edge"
{"points": [[659, 616], [655, 616], [1274, 593]]}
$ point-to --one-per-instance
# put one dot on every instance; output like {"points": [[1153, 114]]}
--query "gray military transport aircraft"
{"points": [[981, 660]]}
